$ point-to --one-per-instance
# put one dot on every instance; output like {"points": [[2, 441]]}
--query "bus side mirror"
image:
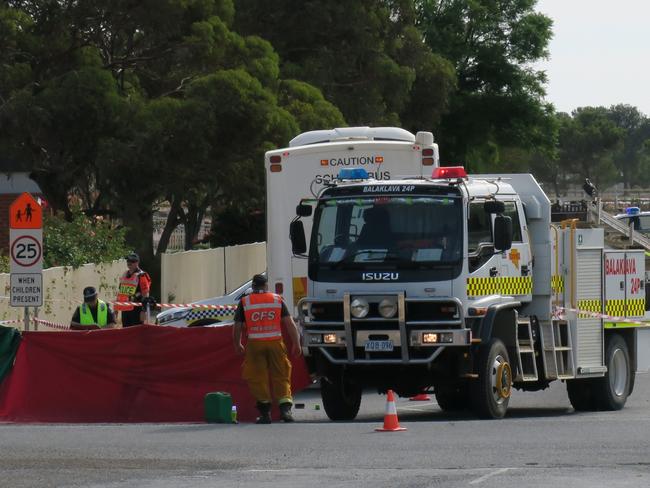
{"points": [[502, 233], [297, 235], [303, 210]]}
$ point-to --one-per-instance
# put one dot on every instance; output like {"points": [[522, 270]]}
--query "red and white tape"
{"points": [[178, 305], [52, 325], [598, 315], [16, 321]]}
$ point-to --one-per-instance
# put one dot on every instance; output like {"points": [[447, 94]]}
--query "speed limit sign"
{"points": [[26, 252]]}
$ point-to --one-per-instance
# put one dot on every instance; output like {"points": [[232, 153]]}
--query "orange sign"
{"points": [[25, 213], [515, 257]]}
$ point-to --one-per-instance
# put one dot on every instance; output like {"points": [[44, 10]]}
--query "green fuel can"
{"points": [[218, 407]]}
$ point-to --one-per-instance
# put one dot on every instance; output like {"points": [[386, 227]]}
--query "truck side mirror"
{"points": [[303, 210], [494, 207], [297, 235], [502, 233]]}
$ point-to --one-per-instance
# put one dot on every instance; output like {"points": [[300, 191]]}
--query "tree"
{"points": [[630, 156], [499, 96], [131, 105], [367, 57], [588, 141]]}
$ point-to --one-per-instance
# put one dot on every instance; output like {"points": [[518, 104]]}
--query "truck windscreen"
{"points": [[385, 232]]}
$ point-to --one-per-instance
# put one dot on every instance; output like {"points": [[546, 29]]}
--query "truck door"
{"points": [[516, 266], [484, 265]]}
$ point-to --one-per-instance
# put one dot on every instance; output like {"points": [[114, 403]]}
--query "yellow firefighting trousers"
{"points": [[264, 359]]}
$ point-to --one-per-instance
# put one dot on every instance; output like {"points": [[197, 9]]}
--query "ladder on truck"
{"points": [[526, 357], [557, 348]]}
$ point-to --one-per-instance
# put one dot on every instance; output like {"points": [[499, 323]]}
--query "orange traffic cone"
{"points": [[391, 424], [422, 397]]}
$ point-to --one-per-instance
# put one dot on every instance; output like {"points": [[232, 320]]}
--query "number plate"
{"points": [[379, 345]]}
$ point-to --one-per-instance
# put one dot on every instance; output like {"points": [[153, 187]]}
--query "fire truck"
{"points": [[463, 284]]}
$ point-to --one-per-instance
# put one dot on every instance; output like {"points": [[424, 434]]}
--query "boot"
{"points": [[285, 412], [265, 413]]}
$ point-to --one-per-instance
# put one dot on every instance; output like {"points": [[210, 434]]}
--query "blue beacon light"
{"points": [[353, 174]]}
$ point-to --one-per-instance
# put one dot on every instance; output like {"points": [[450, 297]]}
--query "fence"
{"points": [[195, 275], [62, 290]]}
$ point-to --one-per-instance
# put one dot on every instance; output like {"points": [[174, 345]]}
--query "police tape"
{"points": [[139, 304], [598, 315], [16, 321], [52, 325], [176, 305]]}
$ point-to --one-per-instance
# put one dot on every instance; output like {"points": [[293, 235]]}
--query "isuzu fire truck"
{"points": [[461, 283]]}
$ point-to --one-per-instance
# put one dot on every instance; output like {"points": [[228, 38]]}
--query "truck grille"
{"points": [[404, 332]]}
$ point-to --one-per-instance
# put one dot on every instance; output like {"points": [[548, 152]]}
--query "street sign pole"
{"points": [[26, 254]]}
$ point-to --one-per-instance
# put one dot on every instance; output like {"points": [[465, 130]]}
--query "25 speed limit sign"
{"points": [[26, 250]]}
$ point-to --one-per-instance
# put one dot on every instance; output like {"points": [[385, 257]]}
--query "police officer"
{"points": [[92, 313], [265, 315], [134, 287]]}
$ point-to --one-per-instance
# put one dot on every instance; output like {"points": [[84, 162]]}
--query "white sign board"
{"points": [[26, 250], [26, 290]]}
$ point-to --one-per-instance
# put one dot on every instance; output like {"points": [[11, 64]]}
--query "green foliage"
{"points": [[130, 105], [367, 57], [82, 240], [499, 97]]}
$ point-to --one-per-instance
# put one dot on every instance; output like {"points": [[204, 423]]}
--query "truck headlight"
{"points": [[388, 308], [429, 338], [359, 308], [329, 338]]}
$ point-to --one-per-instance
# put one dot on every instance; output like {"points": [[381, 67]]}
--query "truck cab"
{"points": [[399, 273]]}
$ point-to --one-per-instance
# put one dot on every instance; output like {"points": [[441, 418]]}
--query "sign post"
{"points": [[26, 253]]}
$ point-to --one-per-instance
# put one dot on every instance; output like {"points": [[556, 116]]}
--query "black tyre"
{"points": [[490, 393], [613, 389], [341, 399], [452, 398], [581, 395]]}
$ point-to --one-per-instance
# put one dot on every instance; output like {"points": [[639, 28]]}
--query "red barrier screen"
{"points": [[140, 374]]}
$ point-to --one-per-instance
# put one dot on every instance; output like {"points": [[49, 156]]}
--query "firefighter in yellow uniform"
{"points": [[265, 315]]}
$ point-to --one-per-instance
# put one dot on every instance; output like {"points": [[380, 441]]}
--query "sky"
{"points": [[600, 53]]}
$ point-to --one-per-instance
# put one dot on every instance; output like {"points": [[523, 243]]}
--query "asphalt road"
{"points": [[541, 443]]}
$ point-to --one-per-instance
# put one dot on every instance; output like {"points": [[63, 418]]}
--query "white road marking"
{"points": [[417, 408], [268, 470], [489, 475]]}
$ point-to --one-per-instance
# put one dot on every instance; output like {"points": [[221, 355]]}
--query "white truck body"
{"points": [[313, 160], [409, 288]]}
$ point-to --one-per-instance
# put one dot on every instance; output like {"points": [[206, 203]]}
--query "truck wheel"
{"points": [[341, 399], [452, 398], [581, 395], [612, 389], [490, 393]]}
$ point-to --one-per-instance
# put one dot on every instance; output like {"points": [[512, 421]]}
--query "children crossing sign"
{"points": [[26, 252]]}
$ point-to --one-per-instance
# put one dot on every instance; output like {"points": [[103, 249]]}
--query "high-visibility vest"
{"points": [[86, 316], [262, 312], [127, 289]]}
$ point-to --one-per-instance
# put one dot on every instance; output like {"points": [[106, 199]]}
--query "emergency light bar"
{"points": [[448, 172], [632, 211], [353, 174]]}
